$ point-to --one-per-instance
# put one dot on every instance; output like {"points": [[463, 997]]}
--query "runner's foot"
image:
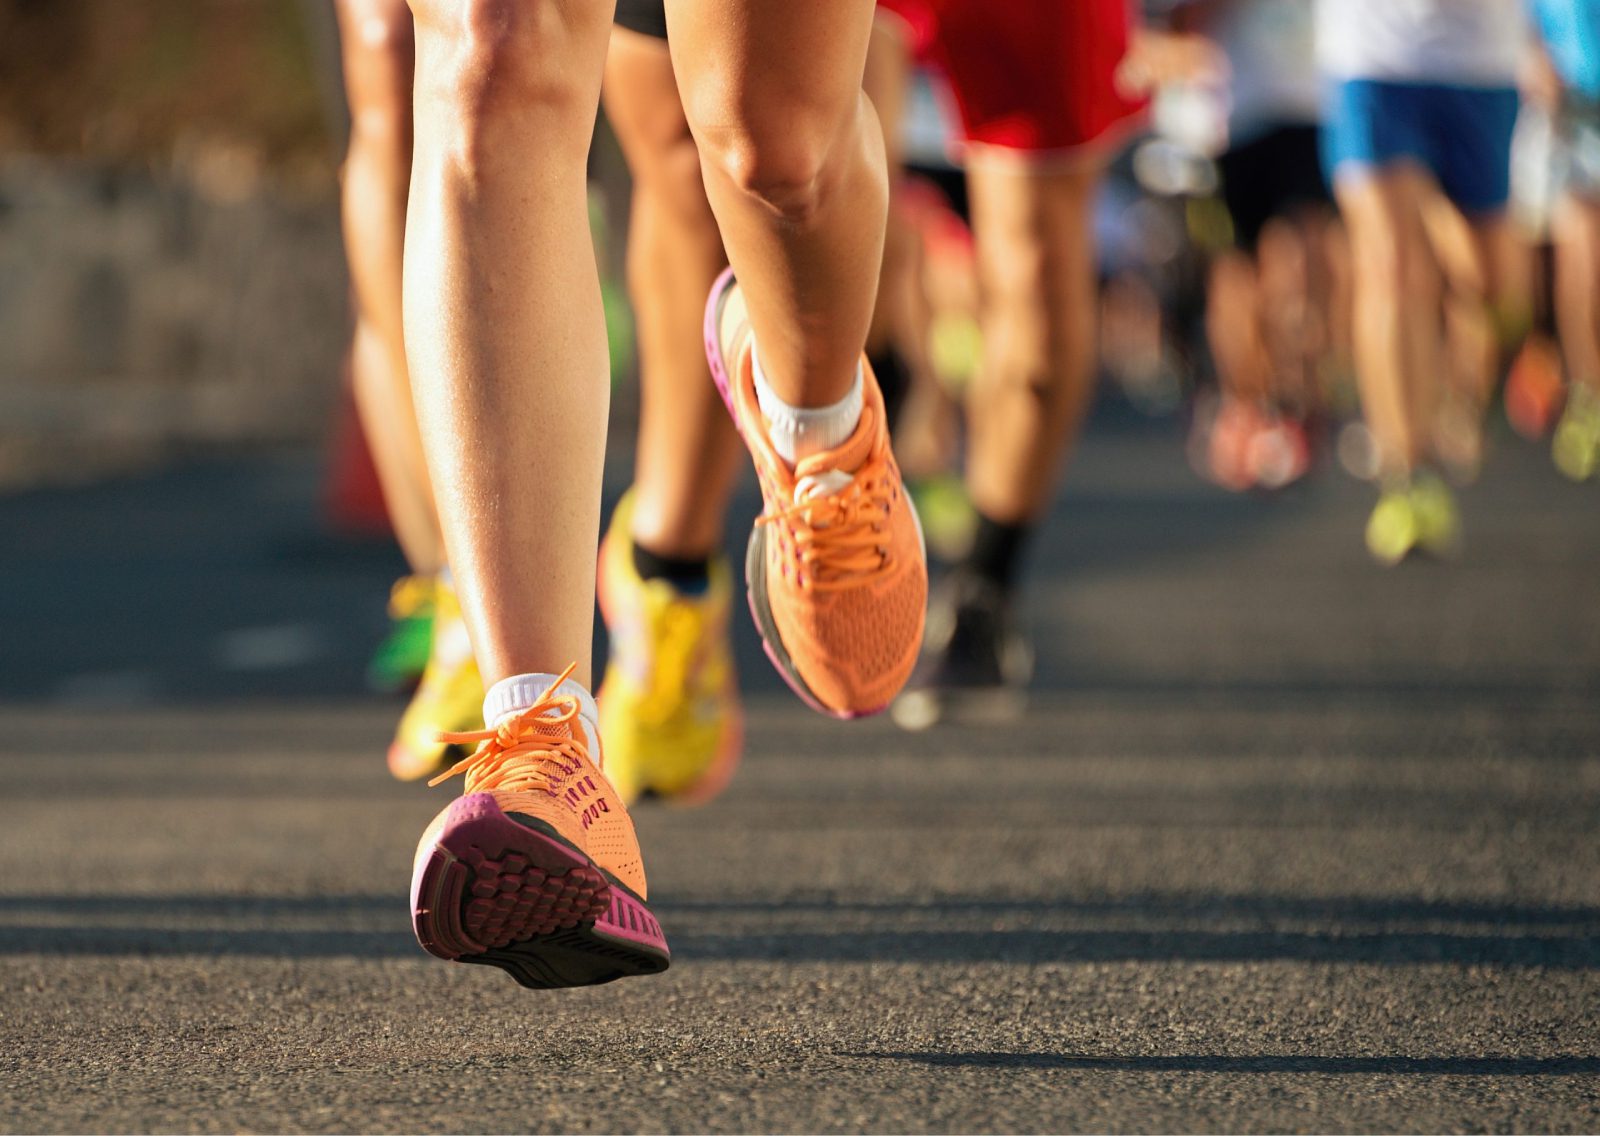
{"points": [[449, 698], [536, 869], [1576, 446], [836, 568], [669, 705], [403, 655], [975, 666], [1415, 516]]}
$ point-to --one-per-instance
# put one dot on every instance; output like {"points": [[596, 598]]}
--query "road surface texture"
{"points": [[1287, 842]]}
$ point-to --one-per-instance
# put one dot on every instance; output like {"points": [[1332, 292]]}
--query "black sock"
{"points": [[996, 551], [686, 574], [894, 380]]}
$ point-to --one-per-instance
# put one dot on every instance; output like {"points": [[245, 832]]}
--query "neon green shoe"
{"points": [[669, 705], [403, 655], [1392, 528], [1415, 516], [1438, 520], [449, 698], [1576, 446]]}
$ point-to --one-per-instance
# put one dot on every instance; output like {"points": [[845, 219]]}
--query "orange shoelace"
{"points": [[519, 754], [840, 540]]}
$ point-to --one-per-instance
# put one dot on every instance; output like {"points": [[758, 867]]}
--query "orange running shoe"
{"points": [[836, 569], [536, 869]]}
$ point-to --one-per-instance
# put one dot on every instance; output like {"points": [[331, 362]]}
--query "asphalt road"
{"points": [[1288, 842]]}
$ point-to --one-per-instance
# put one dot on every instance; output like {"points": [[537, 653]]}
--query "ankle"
{"points": [[797, 432], [996, 553], [516, 693], [688, 575]]}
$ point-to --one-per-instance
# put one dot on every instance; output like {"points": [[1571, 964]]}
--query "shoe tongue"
{"points": [[820, 475], [824, 484], [546, 726]]}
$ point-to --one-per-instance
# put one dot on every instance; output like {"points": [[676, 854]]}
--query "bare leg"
{"points": [[503, 317], [794, 170], [1578, 288], [689, 454], [1284, 310], [1333, 249], [886, 82], [1036, 268], [376, 40], [1233, 328], [1396, 312], [1477, 256]]}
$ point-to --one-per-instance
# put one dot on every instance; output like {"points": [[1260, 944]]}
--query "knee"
{"points": [[679, 184], [783, 157], [380, 56], [1232, 283], [1282, 255], [666, 165], [1016, 322], [502, 60], [1381, 265]]}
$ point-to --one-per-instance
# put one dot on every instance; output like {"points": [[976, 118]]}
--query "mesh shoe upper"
{"points": [[537, 764], [845, 572]]}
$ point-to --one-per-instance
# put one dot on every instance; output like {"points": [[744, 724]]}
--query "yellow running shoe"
{"points": [[1417, 516], [1576, 446], [401, 658], [1392, 528], [669, 705], [1437, 518], [449, 698]]}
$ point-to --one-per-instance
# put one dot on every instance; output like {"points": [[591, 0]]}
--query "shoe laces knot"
{"points": [[837, 527], [534, 749]]}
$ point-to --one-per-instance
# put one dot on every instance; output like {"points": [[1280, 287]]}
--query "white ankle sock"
{"points": [[518, 692], [800, 431]]}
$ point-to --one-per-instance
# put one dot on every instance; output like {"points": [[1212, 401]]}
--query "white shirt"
{"points": [[1464, 43], [1269, 44]]}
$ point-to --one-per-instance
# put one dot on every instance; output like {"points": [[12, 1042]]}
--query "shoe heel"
{"points": [[503, 893]]}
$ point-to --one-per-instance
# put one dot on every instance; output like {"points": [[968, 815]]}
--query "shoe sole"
{"points": [[511, 893], [725, 762], [755, 560]]}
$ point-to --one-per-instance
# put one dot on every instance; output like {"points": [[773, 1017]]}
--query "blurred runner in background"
{"points": [[1417, 141], [1035, 82], [429, 639], [1270, 297], [1564, 79]]}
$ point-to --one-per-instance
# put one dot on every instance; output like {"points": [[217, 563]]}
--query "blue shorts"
{"points": [[1462, 135]]}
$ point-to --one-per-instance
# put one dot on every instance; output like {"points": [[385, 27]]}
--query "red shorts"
{"points": [[1034, 76]]}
